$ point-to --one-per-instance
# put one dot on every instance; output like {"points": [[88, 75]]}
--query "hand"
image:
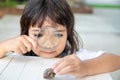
{"points": [[21, 44], [70, 65]]}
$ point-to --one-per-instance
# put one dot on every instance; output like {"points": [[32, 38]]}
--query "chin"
{"points": [[47, 57]]}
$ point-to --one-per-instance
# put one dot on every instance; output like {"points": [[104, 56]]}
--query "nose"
{"points": [[48, 44]]}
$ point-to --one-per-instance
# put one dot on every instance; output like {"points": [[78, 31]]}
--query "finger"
{"points": [[37, 50], [66, 70], [33, 42], [27, 43], [61, 66], [23, 48], [59, 62], [19, 51], [56, 64]]}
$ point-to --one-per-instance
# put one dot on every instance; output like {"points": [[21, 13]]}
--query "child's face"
{"points": [[33, 31]]}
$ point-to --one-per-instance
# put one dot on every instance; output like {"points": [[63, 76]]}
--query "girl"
{"points": [[57, 14]]}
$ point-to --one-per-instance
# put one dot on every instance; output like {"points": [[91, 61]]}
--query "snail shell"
{"points": [[49, 73]]}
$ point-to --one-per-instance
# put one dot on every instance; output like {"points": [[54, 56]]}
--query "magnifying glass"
{"points": [[48, 38]]}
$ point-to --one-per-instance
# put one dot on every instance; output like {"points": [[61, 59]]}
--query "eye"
{"points": [[38, 35], [35, 35], [59, 35]]}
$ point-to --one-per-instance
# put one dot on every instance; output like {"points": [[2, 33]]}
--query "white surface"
{"points": [[31, 68], [84, 54]]}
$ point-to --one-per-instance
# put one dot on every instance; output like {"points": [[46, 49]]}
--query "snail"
{"points": [[49, 73]]}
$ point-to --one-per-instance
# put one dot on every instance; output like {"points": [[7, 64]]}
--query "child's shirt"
{"points": [[84, 54]]}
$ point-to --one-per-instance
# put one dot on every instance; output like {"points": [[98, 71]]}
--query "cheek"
{"points": [[62, 44], [63, 41]]}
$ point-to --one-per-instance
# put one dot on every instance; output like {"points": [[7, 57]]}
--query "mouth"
{"points": [[48, 52]]}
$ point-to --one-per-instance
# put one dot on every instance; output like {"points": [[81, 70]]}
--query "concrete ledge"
{"points": [[1, 14], [85, 9], [13, 11]]}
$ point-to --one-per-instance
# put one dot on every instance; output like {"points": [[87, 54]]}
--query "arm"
{"points": [[74, 66], [20, 44], [102, 64], [2, 51]]}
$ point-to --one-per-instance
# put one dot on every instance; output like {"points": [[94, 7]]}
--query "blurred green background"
{"points": [[11, 3], [93, 3]]}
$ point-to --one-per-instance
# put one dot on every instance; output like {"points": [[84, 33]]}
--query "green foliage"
{"points": [[105, 6], [10, 3]]}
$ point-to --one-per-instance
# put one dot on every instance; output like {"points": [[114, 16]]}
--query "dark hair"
{"points": [[58, 11]]}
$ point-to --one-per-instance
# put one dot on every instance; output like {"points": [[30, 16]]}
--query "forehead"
{"points": [[48, 23]]}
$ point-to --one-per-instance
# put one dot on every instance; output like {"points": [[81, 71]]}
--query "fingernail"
{"points": [[55, 71], [53, 67]]}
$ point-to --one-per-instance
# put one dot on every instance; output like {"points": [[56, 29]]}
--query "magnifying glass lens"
{"points": [[48, 38]]}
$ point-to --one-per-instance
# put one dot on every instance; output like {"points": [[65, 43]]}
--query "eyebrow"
{"points": [[37, 30], [61, 30]]}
